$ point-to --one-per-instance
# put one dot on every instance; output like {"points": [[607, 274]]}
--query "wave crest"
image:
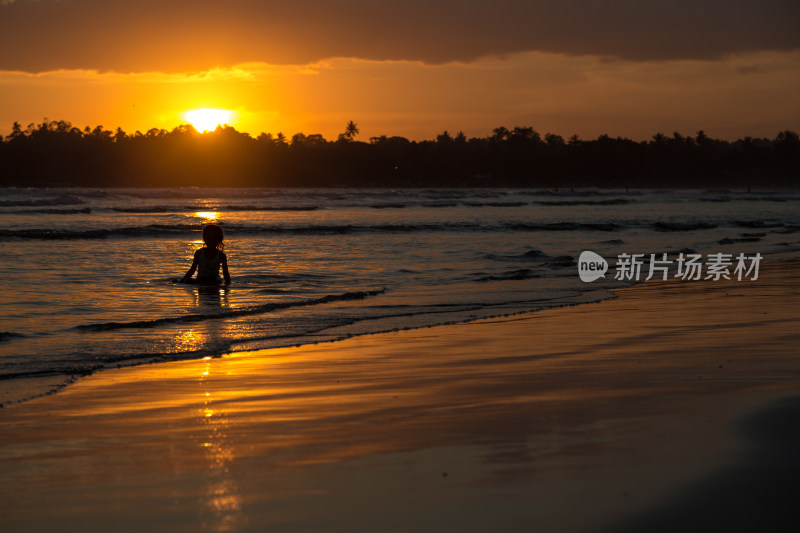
{"points": [[254, 310]]}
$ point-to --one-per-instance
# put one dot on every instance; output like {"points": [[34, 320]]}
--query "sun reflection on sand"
{"points": [[221, 497]]}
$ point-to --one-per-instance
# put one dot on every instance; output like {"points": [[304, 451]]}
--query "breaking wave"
{"points": [[253, 310]]}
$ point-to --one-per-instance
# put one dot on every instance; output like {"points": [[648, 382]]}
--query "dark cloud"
{"points": [[139, 35], [750, 69]]}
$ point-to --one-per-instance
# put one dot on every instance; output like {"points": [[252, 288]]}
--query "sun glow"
{"points": [[208, 119]]}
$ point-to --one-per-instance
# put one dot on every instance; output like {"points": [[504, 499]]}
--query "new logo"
{"points": [[591, 266]]}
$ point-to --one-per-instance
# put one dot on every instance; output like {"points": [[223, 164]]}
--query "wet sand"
{"points": [[657, 409]]}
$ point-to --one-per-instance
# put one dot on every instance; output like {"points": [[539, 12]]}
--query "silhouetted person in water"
{"points": [[208, 260]]}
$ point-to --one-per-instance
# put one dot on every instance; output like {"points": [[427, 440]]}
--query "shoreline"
{"points": [[574, 418], [19, 390], [57, 382], [22, 388]]}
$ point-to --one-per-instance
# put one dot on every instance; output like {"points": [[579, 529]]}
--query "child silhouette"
{"points": [[208, 260]]}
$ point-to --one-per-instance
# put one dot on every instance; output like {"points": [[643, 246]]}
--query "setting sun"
{"points": [[208, 119]]}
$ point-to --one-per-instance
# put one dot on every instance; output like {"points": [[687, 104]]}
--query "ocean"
{"points": [[88, 273]]}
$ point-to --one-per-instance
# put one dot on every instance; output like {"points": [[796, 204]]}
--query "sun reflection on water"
{"points": [[210, 296], [189, 340], [208, 216]]}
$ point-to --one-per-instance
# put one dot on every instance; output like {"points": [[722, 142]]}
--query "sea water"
{"points": [[88, 273]]}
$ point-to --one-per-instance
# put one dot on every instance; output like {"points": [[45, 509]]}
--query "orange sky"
{"points": [[413, 72]]}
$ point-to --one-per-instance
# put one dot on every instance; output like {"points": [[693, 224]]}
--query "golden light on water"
{"points": [[207, 119], [207, 215]]}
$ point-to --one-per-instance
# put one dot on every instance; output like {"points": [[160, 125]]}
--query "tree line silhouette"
{"points": [[55, 153]]}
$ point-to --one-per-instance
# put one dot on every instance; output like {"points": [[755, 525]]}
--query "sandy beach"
{"points": [[670, 407]]}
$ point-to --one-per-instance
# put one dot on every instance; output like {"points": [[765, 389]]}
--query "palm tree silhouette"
{"points": [[350, 131]]}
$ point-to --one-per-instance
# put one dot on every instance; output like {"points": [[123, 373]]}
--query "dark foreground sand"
{"points": [[670, 408]]}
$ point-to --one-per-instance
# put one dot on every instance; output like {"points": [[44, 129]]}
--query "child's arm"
{"points": [[225, 274], [191, 270]]}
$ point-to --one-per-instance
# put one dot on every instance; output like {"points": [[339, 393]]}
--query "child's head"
{"points": [[213, 236]]}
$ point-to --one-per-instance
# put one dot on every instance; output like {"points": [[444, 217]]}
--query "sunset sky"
{"points": [[412, 68]]}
